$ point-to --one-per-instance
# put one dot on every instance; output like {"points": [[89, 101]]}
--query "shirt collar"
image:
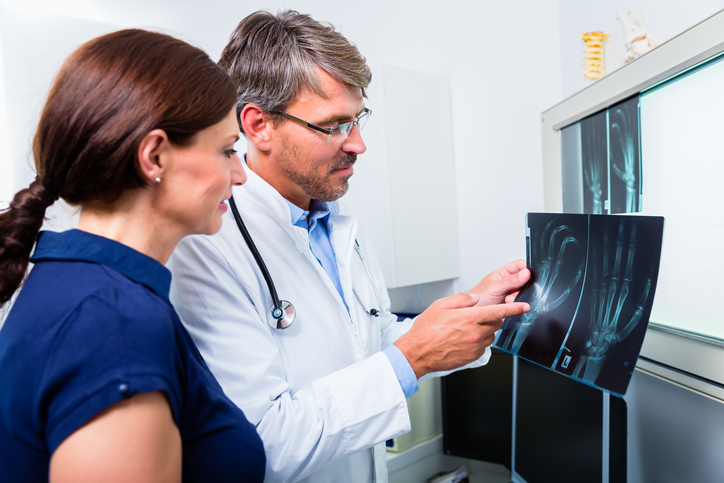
{"points": [[297, 214], [319, 210], [77, 245]]}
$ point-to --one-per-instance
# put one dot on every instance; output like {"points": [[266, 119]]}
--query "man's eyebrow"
{"points": [[339, 118]]}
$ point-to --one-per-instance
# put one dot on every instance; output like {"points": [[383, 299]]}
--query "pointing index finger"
{"points": [[500, 311]]}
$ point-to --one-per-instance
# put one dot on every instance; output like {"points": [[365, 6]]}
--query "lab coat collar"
{"points": [[77, 245]]}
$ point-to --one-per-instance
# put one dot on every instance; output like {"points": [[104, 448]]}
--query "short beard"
{"points": [[317, 188]]}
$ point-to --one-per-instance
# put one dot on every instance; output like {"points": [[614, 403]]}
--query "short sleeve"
{"points": [[114, 345]]}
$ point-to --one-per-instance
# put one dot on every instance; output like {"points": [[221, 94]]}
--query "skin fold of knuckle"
{"points": [[475, 338]]}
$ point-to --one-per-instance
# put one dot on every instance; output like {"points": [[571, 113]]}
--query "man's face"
{"points": [[311, 167]]}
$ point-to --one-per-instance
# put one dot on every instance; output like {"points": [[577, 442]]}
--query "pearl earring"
{"points": [[157, 180]]}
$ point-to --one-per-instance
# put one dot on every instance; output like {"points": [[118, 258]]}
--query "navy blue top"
{"points": [[93, 325]]}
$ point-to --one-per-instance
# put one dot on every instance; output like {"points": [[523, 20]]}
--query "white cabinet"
{"points": [[404, 193]]}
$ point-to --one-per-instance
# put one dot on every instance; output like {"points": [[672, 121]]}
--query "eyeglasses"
{"points": [[337, 133]]}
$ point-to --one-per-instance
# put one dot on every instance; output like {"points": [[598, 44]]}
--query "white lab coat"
{"points": [[323, 396]]}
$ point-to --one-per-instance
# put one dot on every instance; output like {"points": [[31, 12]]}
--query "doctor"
{"points": [[323, 393]]}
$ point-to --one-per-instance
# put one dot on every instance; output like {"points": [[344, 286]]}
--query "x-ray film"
{"points": [[594, 148], [623, 128], [593, 279], [602, 161]]}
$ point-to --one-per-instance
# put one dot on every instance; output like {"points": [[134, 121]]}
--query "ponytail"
{"points": [[19, 227]]}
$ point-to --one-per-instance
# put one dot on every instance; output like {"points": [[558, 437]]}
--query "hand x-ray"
{"points": [[623, 129], [602, 161], [594, 154], [593, 279]]}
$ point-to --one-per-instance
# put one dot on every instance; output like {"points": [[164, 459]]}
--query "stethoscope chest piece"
{"points": [[282, 313], [281, 317]]}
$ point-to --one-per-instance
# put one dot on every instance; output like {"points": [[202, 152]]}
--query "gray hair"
{"points": [[271, 59]]}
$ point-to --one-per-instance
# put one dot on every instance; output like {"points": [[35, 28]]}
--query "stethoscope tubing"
{"points": [[283, 312], [373, 312], [256, 254]]}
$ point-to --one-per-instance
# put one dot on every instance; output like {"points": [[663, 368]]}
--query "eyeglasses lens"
{"points": [[342, 131]]}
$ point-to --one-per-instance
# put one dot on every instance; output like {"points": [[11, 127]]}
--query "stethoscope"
{"points": [[282, 313]]}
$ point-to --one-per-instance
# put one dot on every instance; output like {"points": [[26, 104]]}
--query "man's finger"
{"points": [[511, 268], [458, 301], [488, 341], [503, 311], [511, 283], [500, 311]]}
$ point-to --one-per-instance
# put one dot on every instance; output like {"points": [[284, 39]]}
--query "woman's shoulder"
{"points": [[125, 311], [99, 338], [73, 290], [116, 322], [92, 321]]}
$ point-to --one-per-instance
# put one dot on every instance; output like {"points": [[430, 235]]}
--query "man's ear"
{"points": [[257, 126], [152, 154]]}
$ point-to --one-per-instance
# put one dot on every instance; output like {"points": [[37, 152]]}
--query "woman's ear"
{"points": [[152, 150], [257, 126]]}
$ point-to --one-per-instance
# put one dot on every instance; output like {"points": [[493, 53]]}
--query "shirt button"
{"points": [[124, 389]]}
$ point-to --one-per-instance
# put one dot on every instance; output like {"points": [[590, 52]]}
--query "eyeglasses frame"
{"points": [[327, 130]]}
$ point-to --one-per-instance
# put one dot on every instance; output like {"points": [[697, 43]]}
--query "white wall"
{"points": [[506, 61], [502, 59], [664, 18]]}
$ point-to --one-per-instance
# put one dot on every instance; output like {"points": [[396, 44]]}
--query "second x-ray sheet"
{"points": [[593, 279], [623, 129], [594, 156], [602, 162]]}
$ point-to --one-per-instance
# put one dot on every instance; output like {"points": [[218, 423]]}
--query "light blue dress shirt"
{"points": [[315, 222]]}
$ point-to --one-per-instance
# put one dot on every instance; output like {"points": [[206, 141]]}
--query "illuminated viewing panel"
{"points": [[682, 148], [661, 152]]}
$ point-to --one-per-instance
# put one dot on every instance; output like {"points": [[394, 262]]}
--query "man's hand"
{"points": [[453, 332], [503, 284]]}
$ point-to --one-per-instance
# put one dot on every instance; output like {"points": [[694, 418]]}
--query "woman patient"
{"points": [[99, 381]]}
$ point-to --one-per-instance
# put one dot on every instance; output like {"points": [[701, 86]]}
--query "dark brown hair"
{"points": [[272, 58], [109, 93]]}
